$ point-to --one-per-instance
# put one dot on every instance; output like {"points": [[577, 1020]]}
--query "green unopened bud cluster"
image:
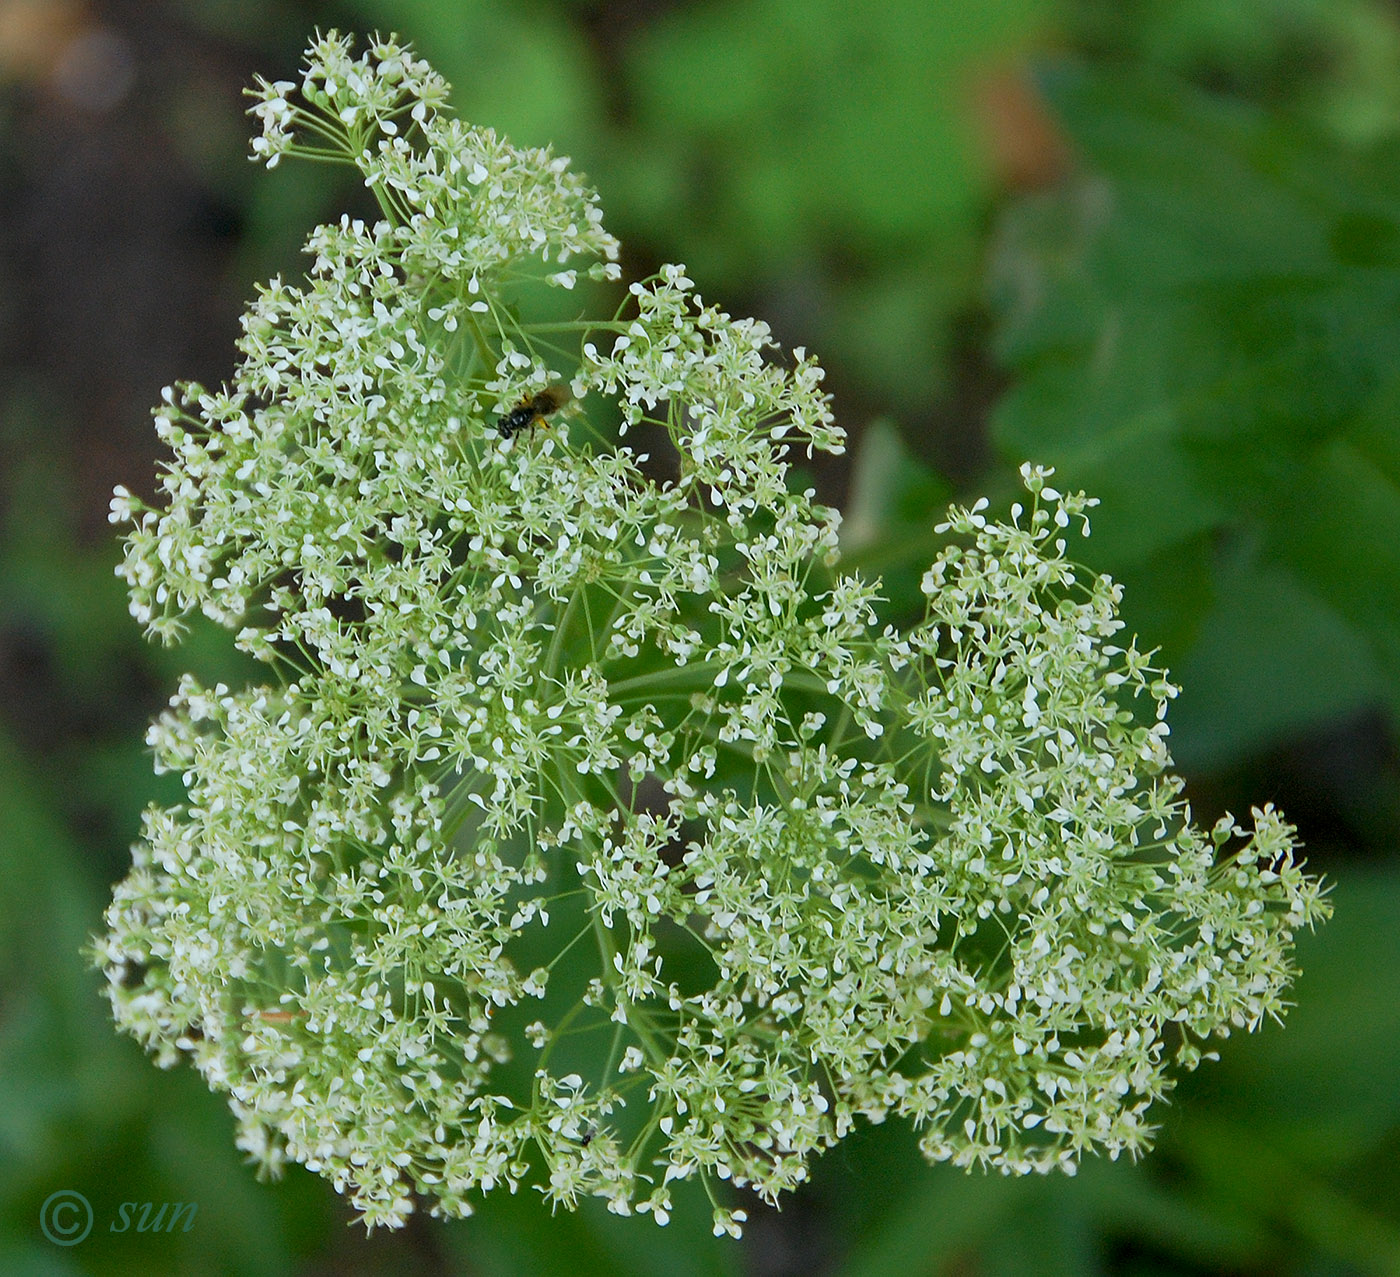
{"points": [[592, 829]]}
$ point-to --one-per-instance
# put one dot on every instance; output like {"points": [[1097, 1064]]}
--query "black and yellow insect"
{"points": [[532, 410]]}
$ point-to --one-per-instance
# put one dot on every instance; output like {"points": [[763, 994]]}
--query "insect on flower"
{"points": [[533, 409]]}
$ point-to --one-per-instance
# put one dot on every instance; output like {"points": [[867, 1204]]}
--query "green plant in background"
{"points": [[840, 159], [593, 829], [1212, 302]]}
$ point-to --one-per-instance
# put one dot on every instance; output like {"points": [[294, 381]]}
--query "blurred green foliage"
{"points": [[1205, 327], [1332, 61], [810, 149], [1184, 235]]}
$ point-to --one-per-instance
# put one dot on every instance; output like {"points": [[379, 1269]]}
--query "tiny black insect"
{"points": [[588, 1137], [532, 410]]}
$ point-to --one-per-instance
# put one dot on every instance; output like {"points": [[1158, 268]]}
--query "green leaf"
{"points": [[1203, 327], [1271, 658]]}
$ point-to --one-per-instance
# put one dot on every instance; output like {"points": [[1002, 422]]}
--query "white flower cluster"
{"points": [[592, 831]]}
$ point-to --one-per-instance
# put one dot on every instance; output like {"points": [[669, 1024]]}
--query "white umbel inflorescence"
{"points": [[594, 829]]}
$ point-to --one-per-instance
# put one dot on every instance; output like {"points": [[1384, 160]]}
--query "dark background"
{"points": [[1157, 245]]}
